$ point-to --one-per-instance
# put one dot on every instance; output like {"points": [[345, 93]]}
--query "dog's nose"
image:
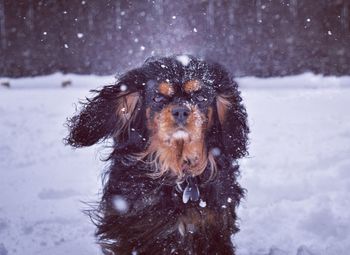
{"points": [[180, 114]]}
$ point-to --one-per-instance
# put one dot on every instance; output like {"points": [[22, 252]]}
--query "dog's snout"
{"points": [[180, 114]]}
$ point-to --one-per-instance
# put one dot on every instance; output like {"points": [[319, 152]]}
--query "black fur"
{"points": [[155, 207]]}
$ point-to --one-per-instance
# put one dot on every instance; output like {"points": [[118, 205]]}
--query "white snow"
{"points": [[123, 87], [202, 203], [297, 174], [120, 204], [54, 81], [305, 80], [183, 59], [42, 182], [215, 151]]}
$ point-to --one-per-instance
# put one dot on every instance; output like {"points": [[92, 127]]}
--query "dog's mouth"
{"points": [[180, 134], [181, 151]]}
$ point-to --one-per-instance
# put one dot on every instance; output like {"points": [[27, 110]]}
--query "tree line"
{"points": [[251, 37]]}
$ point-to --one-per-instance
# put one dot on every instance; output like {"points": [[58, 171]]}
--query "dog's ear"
{"points": [[108, 114], [232, 118]]}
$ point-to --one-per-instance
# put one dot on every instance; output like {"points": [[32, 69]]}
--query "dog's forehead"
{"points": [[168, 87]]}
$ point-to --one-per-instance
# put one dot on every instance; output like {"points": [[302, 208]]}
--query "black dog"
{"points": [[178, 126]]}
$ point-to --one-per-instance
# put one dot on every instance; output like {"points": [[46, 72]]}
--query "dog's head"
{"points": [[176, 112]]}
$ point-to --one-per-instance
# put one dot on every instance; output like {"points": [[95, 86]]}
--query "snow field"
{"points": [[297, 174]]}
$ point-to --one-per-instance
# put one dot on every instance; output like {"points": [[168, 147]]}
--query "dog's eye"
{"points": [[200, 98], [158, 99]]}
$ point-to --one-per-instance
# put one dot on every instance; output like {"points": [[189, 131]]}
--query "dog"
{"points": [[178, 126]]}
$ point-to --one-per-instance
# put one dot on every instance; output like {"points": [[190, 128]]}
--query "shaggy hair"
{"points": [[178, 126]]}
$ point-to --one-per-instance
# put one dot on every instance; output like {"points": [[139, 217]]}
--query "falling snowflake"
{"points": [[215, 151], [184, 59], [123, 87], [120, 204], [202, 203]]}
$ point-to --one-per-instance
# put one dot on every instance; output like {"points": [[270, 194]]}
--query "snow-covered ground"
{"points": [[297, 174]]}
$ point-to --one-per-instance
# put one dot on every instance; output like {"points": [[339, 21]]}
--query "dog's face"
{"points": [[178, 118], [169, 114]]}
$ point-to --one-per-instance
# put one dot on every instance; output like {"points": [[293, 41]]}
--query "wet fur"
{"points": [[157, 221]]}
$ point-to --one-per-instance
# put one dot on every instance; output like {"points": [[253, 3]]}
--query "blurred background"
{"points": [[251, 37]]}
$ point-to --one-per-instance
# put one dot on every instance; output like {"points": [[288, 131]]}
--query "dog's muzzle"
{"points": [[180, 114]]}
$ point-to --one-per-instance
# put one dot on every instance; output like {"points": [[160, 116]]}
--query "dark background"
{"points": [[251, 37]]}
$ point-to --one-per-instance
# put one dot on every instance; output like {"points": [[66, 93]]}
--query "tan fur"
{"points": [[192, 86], [210, 116], [178, 156], [148, 117], [213, 165], [125, 111], [166, 89], [222, 105]]}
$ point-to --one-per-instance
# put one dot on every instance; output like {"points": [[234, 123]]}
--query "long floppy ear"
{"points": [[108, 114], [233, 118]]}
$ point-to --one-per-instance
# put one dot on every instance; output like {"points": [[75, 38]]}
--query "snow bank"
{"points": [[297, 175], [306, 80], [58, 80]]}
